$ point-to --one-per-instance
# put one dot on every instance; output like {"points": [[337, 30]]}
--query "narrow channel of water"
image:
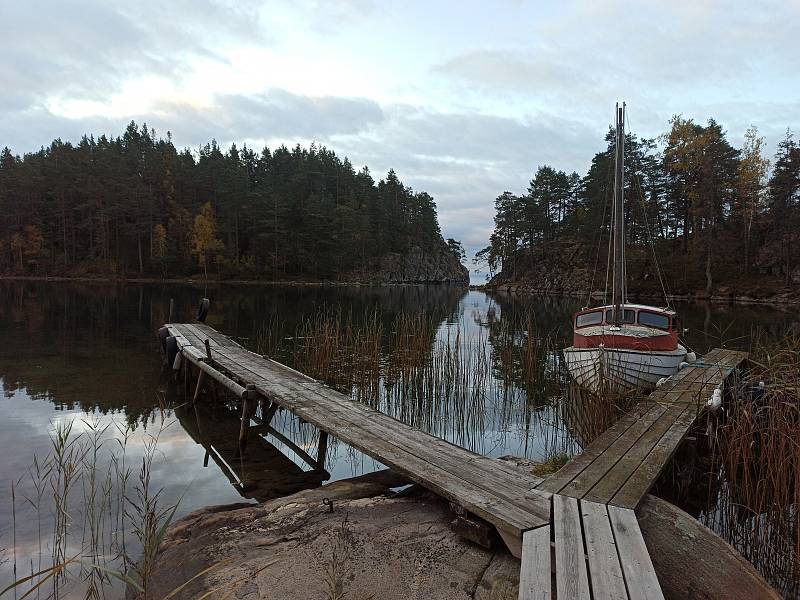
{"points": [[86, 355]]}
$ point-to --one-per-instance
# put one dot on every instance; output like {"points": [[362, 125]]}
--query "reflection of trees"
{"points": [[526, 338], [92, 345], [79, 345]]}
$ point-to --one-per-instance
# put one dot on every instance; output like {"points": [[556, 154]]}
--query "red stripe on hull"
{"points": [[668, 341]]}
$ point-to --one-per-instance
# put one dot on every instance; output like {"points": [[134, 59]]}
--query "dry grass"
{"points": [[471, 385], [758, 449]]}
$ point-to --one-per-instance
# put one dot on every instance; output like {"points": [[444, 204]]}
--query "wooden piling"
{"points": [[322, 449], [249, 404], [200, 379]]}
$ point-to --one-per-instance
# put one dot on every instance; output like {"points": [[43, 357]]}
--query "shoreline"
{"points": [[522, 290], [378, 539], [210, 282], [791, 299]]}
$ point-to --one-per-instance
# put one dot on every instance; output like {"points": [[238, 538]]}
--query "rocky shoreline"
{"points": [[788, 298], [376, 542], [412, 267]]}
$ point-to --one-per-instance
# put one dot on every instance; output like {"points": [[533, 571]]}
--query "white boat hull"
{"points": [[618, 370]]}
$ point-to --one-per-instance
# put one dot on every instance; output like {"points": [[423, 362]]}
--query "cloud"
{"points": [[273, 115], [465, 160], [87, 49]]}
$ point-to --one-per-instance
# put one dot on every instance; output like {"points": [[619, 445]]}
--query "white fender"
{"points": [[716, 400]]}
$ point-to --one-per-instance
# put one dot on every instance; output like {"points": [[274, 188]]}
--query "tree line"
{"points": [[711, 213], [135, 205]]}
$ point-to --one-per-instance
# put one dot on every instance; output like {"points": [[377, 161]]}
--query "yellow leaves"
{"points": [[159, 244], [205, 242], [753, 167], [28, 243]]}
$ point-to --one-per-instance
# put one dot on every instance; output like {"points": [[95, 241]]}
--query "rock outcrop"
{"points": [[418, 265], [372, 545], [377, 544]]}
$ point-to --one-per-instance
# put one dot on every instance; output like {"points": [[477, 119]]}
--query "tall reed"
{"points": [[466, 384], [758, 449], [104, 532]]}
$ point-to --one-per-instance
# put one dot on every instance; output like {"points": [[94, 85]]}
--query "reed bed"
{"points": [[758, 451], [475, 386], [98, 519]]}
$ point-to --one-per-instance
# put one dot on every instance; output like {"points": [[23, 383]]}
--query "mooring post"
{"points": [[249, 404], [322, 450]]}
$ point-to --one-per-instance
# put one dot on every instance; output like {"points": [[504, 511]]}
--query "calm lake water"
{"points": [[87, 354]]}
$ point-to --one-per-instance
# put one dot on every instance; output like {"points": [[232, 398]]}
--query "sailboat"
{"points": [[622, 347]]}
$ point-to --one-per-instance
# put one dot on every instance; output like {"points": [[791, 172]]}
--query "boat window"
{"points": [[650, 319], [586, 319], [628, 316]]}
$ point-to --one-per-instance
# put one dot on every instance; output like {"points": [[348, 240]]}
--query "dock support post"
{"points": [[322, 450], [267, 416], [200, 378], [187, 370], [249, 404]]}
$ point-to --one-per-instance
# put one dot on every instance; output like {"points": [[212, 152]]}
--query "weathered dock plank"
{"points": [[572, 580], [597, 549], [640, 576], [502, 496], [621, 465], [535, 578], [598, 553], [608, 582]]}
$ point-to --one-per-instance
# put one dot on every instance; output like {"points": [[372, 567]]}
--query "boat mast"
{"points": [[618, 281]]}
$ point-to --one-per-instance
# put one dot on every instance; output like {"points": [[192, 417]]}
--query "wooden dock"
{"points": [[621, 465], [576, 532], [599, 551], [495, 492]]}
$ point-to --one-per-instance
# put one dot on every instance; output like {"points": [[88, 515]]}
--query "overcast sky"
{"points": [[463, 99]]}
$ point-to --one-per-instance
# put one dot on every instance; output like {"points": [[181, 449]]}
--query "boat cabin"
{"points": [[641, 328]]}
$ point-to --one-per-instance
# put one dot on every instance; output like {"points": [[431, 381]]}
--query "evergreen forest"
{"points": [[136, 206], [716, 218]]}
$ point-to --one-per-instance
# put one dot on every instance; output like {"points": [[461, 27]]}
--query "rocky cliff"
{"points": [[416, 266], [563, 269]]}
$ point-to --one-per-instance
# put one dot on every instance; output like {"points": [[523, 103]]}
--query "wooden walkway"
{"points": [[576, 532], [498, 493], [621, 465], [599, 551]]}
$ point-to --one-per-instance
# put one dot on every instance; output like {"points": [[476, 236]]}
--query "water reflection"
{"points": [[260, 473], [73, 352]]}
